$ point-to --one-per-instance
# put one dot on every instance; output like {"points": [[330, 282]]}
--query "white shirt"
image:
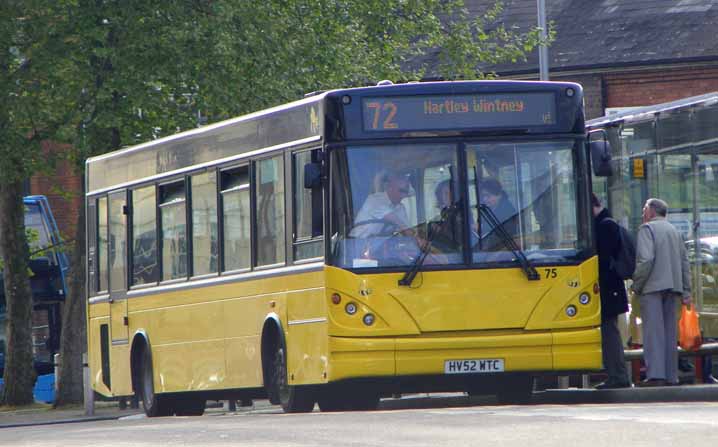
{"points": [[375, 207]]}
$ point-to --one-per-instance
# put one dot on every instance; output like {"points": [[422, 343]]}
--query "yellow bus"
{"points": [[351, 245]]}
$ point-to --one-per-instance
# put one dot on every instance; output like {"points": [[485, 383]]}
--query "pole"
{"points": [[543, 49], [88, 394]]}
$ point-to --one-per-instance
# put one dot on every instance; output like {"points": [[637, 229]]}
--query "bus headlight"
{"points": [[351, 308], [584, 298], [571, 311], [368, 319]]}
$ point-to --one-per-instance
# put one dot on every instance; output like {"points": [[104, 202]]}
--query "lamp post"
{"points": [[543, 49]]}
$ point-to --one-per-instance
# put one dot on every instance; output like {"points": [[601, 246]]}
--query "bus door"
{"points": [[118, 269]]}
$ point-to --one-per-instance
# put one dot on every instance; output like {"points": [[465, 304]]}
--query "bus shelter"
{"points": [[670, 151]]}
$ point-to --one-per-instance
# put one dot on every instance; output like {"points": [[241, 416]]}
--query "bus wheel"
{"points": [[292, 398], [186, 406], [153, 404], [516, 390]]}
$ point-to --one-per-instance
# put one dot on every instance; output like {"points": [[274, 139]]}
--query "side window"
{"points": [[204, 223], [118, 241], [173, 222], [269, 190], [236, 219], [102, 237], [144, 236], [308, 210]]}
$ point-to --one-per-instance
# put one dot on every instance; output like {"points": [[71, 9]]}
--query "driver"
{"points": [[384, 205]]}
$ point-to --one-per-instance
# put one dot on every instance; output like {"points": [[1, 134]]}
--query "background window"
{"points": [[102, 229], [236, 213], [204, 223], [308, 212], [270, 211], [144, 236], [174, 231]]}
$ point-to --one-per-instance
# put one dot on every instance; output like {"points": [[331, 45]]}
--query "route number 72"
{"points": [[386, 111]]}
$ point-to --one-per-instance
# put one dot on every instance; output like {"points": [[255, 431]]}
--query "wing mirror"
{"points": [[600, 156], [312, 175]]}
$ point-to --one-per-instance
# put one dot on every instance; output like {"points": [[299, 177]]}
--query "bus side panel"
{"points": [[307, 335], [120, 370], [95, 350], [186, 340], [243, 326]]}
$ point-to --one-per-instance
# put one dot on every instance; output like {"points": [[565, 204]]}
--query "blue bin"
{"points": [[44, 390]]}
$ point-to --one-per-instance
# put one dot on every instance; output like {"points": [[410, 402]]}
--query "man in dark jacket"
{"points": [[614, 300], [494, 196]]}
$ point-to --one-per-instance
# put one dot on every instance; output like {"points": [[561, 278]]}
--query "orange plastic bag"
{"points": [[689, 329]]}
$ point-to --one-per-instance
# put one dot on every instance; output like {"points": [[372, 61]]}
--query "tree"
{"points": [[136, 70], [28, 117]]}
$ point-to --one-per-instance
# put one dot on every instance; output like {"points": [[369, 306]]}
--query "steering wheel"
{"points": [[388, 228], [394, 251]]}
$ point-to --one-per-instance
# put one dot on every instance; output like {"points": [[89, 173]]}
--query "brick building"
{"points": [[626, 53]]}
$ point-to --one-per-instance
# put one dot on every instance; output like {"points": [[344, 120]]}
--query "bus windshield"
{"points": [[389, 201]]}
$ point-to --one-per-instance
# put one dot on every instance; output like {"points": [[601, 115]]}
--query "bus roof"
{"points": [[293, 123]]}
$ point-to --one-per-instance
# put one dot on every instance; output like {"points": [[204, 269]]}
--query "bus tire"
{"points": [[516, 390], [292, 398], [155, 405]]}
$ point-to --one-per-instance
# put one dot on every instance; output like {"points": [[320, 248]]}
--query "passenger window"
{"points": [[102, 237], [204, 223], [144, 236], [270, 211], [308, 211], [236, 212], [174, 231], [92, 247], [118, 241]]}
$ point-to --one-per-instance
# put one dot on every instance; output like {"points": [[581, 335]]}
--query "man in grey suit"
{"points": [[662, 277]]}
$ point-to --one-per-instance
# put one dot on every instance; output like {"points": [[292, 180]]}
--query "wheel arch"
{"points": [[272, 337], [140, 344]]}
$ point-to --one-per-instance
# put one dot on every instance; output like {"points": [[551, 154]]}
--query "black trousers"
{"points": [[612, 348]]}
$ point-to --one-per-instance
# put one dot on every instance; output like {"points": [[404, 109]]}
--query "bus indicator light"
{"points": [[596, 289], [336, 298]]}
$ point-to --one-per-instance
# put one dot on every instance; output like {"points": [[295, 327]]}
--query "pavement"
{"points": [[44, 414]]}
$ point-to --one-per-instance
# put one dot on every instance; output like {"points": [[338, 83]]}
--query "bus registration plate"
{"points": [[473, 366]]}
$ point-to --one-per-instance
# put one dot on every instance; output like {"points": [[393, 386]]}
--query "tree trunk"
{"points": [[19, 373], [73, 338]]}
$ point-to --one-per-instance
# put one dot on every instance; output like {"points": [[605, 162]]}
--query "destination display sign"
{"points": [[444, 112]]}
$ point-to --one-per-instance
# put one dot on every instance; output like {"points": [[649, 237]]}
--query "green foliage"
{"points": [[468, 44], [131, 71]]}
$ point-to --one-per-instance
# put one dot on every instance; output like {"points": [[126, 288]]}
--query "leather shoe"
{"points": [[652, 383], [609, 385], [710, 380]]}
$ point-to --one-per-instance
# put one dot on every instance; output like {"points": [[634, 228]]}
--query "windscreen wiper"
{"points": [[448, 212], [509, 242]]}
